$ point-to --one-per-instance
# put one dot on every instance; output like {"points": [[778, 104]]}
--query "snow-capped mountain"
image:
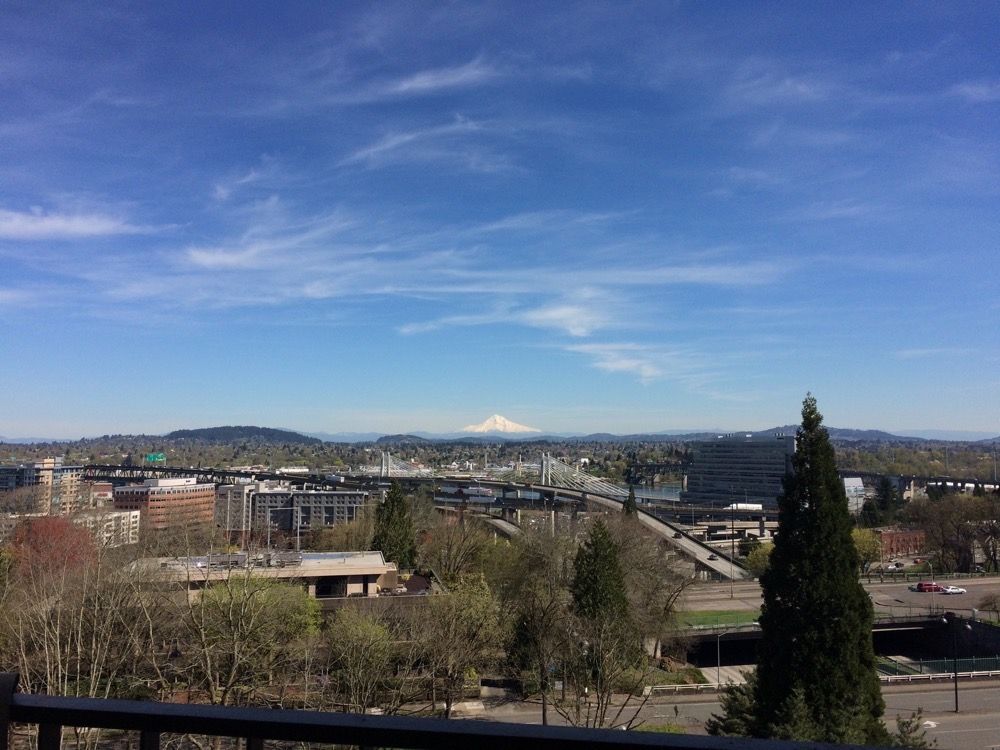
{"points": [[496, 423]]}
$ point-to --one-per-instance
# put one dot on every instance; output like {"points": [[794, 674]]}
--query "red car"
{"points": [[929, 587]]}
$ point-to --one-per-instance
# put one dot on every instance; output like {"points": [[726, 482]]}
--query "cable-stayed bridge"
{"points": [[390, 467]]}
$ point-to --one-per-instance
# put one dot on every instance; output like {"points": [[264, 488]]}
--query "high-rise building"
{"points": [[742, 468], [44, 486]]}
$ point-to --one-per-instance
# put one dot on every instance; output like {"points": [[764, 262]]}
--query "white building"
{"points": [[111, 528], [855, 490]]}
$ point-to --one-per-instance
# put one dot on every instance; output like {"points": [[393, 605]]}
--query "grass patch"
{"points": [[718, 618], [663, 728]]}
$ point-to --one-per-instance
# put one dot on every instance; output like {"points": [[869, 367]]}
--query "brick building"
{"points": [[897, 542]]}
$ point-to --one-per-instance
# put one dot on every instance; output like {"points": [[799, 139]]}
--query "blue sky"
{"points": [[402, 216]]}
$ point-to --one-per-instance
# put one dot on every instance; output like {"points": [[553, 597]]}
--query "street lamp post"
{"points": [[953, 624], [732, 547], [718, 657]]}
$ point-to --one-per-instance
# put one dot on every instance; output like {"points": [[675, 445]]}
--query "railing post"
{"points": [[8, 686], [149, 740], [49, 736]]}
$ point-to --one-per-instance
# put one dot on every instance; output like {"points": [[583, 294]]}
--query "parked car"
{"points": [[952, 590]]}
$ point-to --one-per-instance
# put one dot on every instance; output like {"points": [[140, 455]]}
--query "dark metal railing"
{"points": [[52, 714]]}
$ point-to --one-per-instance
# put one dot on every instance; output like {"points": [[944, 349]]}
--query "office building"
{"points": [[741, 468], [164, 503], [290, 509], [241, 508]]}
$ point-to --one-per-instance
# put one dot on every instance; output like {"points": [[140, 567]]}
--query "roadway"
{"points": [[673, 535], [976, 727], [888, 597]]}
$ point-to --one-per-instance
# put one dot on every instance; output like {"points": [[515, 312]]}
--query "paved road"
{"points": [[976, 727], [746, 595]]}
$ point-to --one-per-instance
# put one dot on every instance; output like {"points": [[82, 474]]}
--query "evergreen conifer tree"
{"points": [[816, 676], [629, 507], [394, 535], [598, 586]]}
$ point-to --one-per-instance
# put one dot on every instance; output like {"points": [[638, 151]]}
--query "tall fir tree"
{"points": [[629, 508], [394, 535], [598, 585], [816, 677]]}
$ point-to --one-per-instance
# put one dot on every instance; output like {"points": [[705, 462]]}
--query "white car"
{"points": [[952, 590]]}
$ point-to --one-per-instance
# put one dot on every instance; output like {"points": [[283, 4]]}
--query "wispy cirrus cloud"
{"points": [[472, 73], [38, 224], [931, 352], [270, 240], [846, 208], [978, 92], [573, 320], [410, 145], [223, 189], [16, 296], [649, 363], [634, 359]]}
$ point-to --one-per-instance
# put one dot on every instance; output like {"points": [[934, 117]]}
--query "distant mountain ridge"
{"points": [[230, 433]]}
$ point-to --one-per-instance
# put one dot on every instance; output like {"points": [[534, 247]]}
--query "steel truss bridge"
{"points": [[124, 474]]}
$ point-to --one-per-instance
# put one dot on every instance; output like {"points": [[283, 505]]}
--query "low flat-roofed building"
{"points": [[168, 502], [324, 575]]}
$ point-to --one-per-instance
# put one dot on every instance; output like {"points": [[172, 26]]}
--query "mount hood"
{"points": [[496, 423]]}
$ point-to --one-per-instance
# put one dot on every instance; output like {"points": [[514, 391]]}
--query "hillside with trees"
{"points": [[230, 434]]}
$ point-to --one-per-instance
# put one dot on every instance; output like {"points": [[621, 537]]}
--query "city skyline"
{"points": [[631, 218]]}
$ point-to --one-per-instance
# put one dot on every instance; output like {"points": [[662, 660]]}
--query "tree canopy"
{"points": [[816, 645], [394, 535], [816, 676], [629, 507], [598, 586]]}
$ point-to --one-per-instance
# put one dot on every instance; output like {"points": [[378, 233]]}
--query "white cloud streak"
{"points": [[39, 225], [472, 73], [977, 92], [622, 358], [394, 146], [930, 353]]}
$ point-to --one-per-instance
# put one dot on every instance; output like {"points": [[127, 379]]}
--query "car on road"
{"points": [[927, 587], [713, 557], [952, 590]]}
